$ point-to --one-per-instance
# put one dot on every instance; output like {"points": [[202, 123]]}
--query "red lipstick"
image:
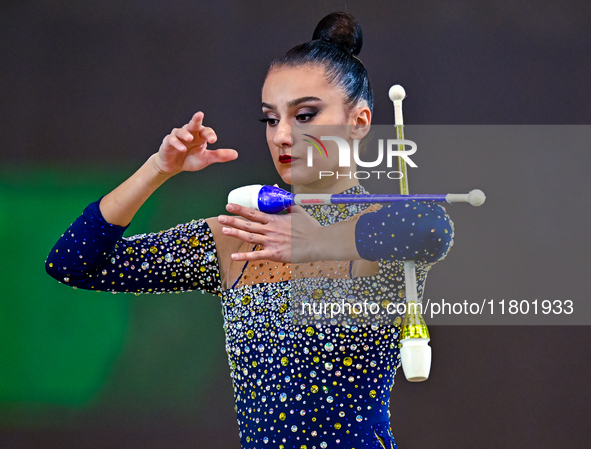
{"points": [[286, 159]]}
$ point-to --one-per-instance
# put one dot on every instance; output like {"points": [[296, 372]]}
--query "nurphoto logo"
{"points": [[392, 151]]}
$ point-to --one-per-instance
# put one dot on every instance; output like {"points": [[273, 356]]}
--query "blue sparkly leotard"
{"points": [[299, 381]]}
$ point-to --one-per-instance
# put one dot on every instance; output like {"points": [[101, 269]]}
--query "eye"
{"points": [[303, 118], [269, 121]]}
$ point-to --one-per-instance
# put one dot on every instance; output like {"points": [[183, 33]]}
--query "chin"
{"points": [[303, 181], [285, 174], [298, 177]]}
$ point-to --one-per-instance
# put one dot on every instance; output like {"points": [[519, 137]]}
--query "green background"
{"points": [[65, 350]]}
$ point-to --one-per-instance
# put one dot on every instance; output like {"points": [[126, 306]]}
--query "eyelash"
{"points": [[308, 115]]}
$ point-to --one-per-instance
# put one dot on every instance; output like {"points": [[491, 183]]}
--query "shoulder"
{"points": [[225, 246], [224, 243]]}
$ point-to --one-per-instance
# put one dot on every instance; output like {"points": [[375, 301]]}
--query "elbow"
{"points": [[436, 232], [68, 275], [54, 268], [51, 267]]}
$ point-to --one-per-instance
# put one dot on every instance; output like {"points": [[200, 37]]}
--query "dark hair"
{"points": [[335, 44]]}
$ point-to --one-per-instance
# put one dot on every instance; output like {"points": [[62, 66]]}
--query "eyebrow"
{"points": [[292, 103]]}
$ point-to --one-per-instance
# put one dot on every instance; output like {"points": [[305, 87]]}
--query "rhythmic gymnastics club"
{"points": [[415, 352], [272, 200]]}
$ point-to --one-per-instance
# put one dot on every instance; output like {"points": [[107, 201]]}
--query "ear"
{"points": [[361, 121]]}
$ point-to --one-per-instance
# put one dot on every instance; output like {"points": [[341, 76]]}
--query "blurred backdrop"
{"points": [[89, 89]]}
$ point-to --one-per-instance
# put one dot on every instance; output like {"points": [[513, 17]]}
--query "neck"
{"points": [[327, 185]]}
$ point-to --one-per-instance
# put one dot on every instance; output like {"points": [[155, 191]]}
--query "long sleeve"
{"points": [[409, 230], [93, 254]]}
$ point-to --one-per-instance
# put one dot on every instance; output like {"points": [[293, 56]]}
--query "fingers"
{"points": [[244, 225], [221, 155], [209, 135], [261, 255], [194, 131], [195, 126], [245, 236], [182, 134], [173, 142], [245, 230], [249, 237], [249, 213], [268, 231], [178, 139], [196, 121]]}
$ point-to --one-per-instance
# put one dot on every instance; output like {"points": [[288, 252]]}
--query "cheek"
{"points": [[320, 161], [270, 135], [332, 148], [333, 153]]}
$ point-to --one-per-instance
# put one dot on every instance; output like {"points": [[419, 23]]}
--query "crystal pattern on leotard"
{"points": [[297, 384], [92, 254], [313, 385]]}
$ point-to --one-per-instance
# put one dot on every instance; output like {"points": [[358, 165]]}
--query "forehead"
{"points": [[288, 83]]}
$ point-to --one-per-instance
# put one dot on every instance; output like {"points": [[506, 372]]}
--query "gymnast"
{"points": [[298, 383]]}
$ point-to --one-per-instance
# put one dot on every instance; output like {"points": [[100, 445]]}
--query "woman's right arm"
{"points": [[184, 149], [92, 253]]}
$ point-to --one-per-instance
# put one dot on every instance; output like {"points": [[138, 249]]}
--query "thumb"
{"points": [[220, 155]]}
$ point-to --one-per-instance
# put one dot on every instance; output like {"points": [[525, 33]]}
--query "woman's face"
{"points": [[301, 95]]}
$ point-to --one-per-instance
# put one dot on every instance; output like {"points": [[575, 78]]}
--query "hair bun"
{"points": [[340, 28]]}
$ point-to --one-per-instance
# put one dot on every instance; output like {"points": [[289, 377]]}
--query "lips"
{"points": [[285, 159]]}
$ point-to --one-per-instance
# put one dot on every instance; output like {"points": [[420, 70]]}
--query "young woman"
{"points": [[298, 383]]}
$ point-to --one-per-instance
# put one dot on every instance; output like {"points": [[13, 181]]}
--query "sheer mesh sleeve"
{"points": [[93, 254]]}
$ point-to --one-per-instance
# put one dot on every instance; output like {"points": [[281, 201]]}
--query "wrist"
{"points": [[335, 242], [158, 173], [314, 241]]}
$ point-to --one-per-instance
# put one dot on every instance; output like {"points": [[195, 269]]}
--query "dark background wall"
{"points": [[89, 89]]}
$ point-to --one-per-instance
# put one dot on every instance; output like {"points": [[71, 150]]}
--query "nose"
{"points": [[282, 136]]}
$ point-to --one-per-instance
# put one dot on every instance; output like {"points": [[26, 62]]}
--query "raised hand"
{"points": [[185, 149]]}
